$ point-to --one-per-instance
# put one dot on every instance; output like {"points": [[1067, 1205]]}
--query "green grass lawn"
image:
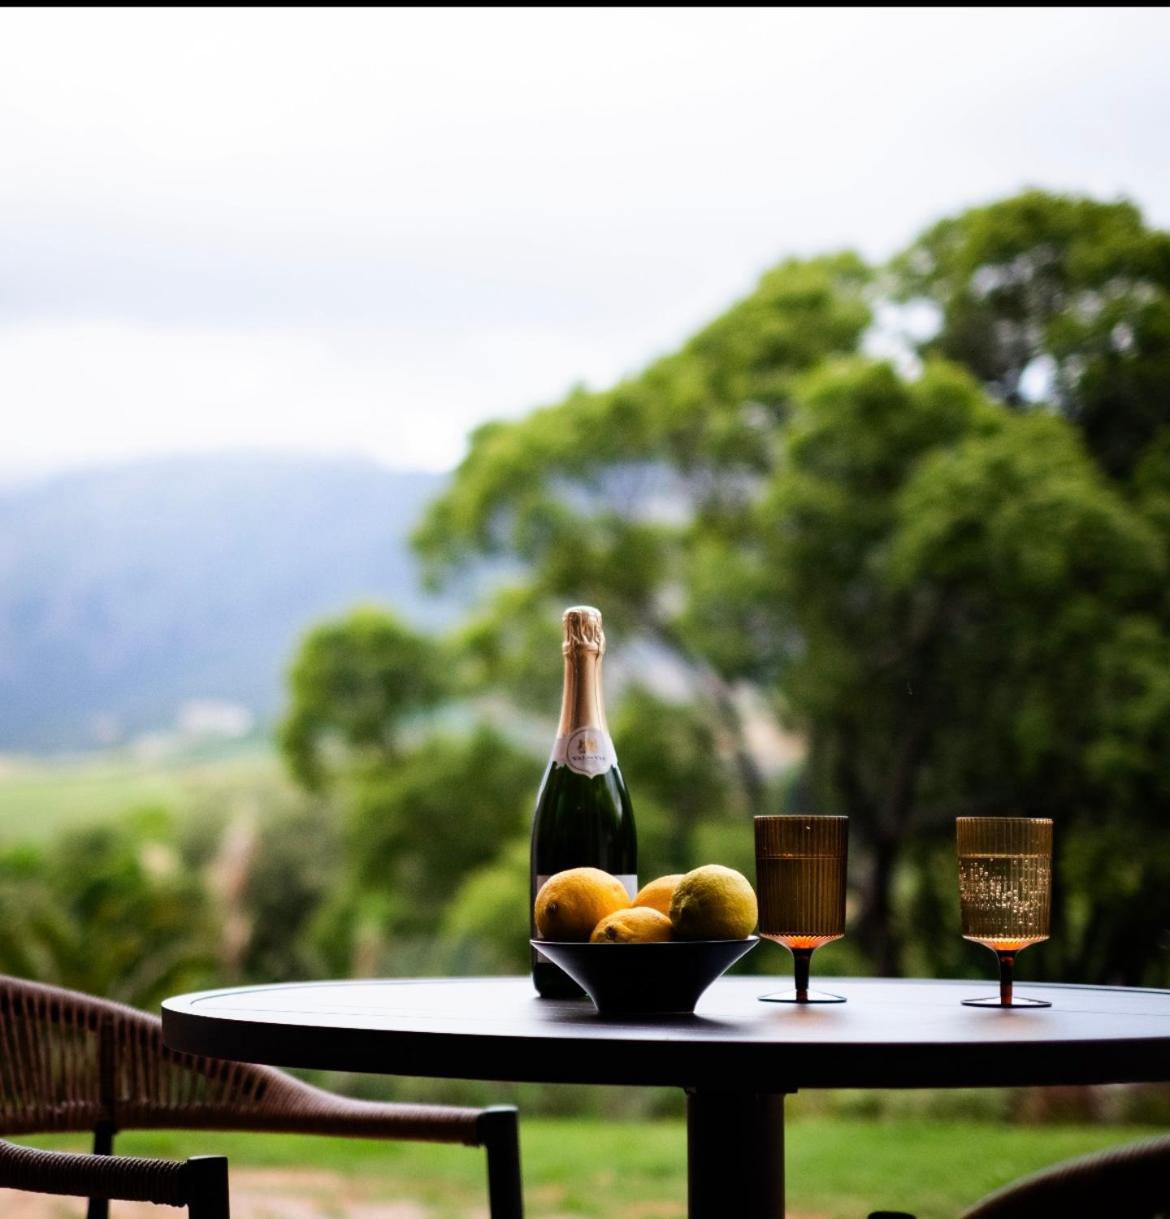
{"points": [[837, 1168]]}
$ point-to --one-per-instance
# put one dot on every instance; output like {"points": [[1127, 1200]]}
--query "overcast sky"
{"points": [[365, 232]]}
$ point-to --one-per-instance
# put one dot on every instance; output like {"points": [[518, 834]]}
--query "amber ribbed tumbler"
{"points": [[1005, 891], [800, 882]]}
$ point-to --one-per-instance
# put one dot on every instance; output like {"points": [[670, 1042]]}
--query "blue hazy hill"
{"points": [[127, 590]]}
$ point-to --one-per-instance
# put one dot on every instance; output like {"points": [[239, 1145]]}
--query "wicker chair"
{"points": [[200, 1184], [70, 1062], [1127, 1182]]}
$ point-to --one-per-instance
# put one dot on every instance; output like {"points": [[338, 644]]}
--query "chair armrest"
{"points": [[128, 1178], [309, 1110]]}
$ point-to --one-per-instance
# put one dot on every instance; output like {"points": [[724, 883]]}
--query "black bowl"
{"points": [[646, 979]]}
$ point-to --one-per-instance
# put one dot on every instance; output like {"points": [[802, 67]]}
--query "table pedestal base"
{"points": [[735, 1155]]}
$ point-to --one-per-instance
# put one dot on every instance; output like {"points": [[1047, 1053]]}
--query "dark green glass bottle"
{"points": [[583, 812]]}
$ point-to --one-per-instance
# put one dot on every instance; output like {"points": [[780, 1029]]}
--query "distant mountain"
{"points": [[128, 591]]}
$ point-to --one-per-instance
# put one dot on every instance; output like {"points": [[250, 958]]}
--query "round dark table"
{"points": [[735, 1057]]}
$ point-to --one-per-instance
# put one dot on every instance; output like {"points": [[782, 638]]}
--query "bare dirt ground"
{"points": [[256, 1194], [281, 1194]]}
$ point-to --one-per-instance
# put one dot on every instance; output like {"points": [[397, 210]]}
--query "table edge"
{"points": [[693, 1064]]}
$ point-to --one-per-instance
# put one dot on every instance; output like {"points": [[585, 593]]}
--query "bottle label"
{"points": [[585, 751]]}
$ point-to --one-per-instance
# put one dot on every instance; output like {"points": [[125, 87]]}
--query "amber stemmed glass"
{"points": [[800, 881], [1005, 892]]}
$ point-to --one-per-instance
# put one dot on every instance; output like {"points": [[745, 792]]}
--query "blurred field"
{"points": [[838, 1169], [38, 798]]}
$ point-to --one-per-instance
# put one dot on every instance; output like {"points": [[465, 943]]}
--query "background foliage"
{"points": [[902, 589]]}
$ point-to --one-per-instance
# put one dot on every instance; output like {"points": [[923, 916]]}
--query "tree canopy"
{"points": [[353, 685], [951, 581], [898, 590], [1070, 289]]}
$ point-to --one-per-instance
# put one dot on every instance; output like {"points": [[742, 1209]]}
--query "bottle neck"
{"points": [[582, 705]]}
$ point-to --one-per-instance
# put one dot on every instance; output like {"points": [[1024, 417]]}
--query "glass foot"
{"points": [[808, 996], [995, 1001]]}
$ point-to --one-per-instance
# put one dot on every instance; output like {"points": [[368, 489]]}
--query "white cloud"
{"points": [[369, 229], [86, 391]]}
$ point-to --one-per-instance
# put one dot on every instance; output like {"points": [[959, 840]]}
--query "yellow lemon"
{"points": [[571, 903], [713, 903], [657, 893], [637, 925]]}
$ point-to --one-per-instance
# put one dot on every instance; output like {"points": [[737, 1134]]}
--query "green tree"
{"points": [[632, 498], [418, 811], [943, 594], [1045, 576], [956, 594], [114, 910], [353, 685], [1073, 289], [856, 653], [36, 936], [294, 863], [1077, 291], [488, 918], [967, 603], [671, 760], [444, 810]]}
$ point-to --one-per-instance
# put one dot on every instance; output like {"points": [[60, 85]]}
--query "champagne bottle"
{"points": [[583, 814]]}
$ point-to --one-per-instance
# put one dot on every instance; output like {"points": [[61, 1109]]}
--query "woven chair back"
{"points": [[72, 1062]]}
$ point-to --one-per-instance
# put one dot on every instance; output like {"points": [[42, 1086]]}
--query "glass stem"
{"points": [[800, 961], [1007, 962]]}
